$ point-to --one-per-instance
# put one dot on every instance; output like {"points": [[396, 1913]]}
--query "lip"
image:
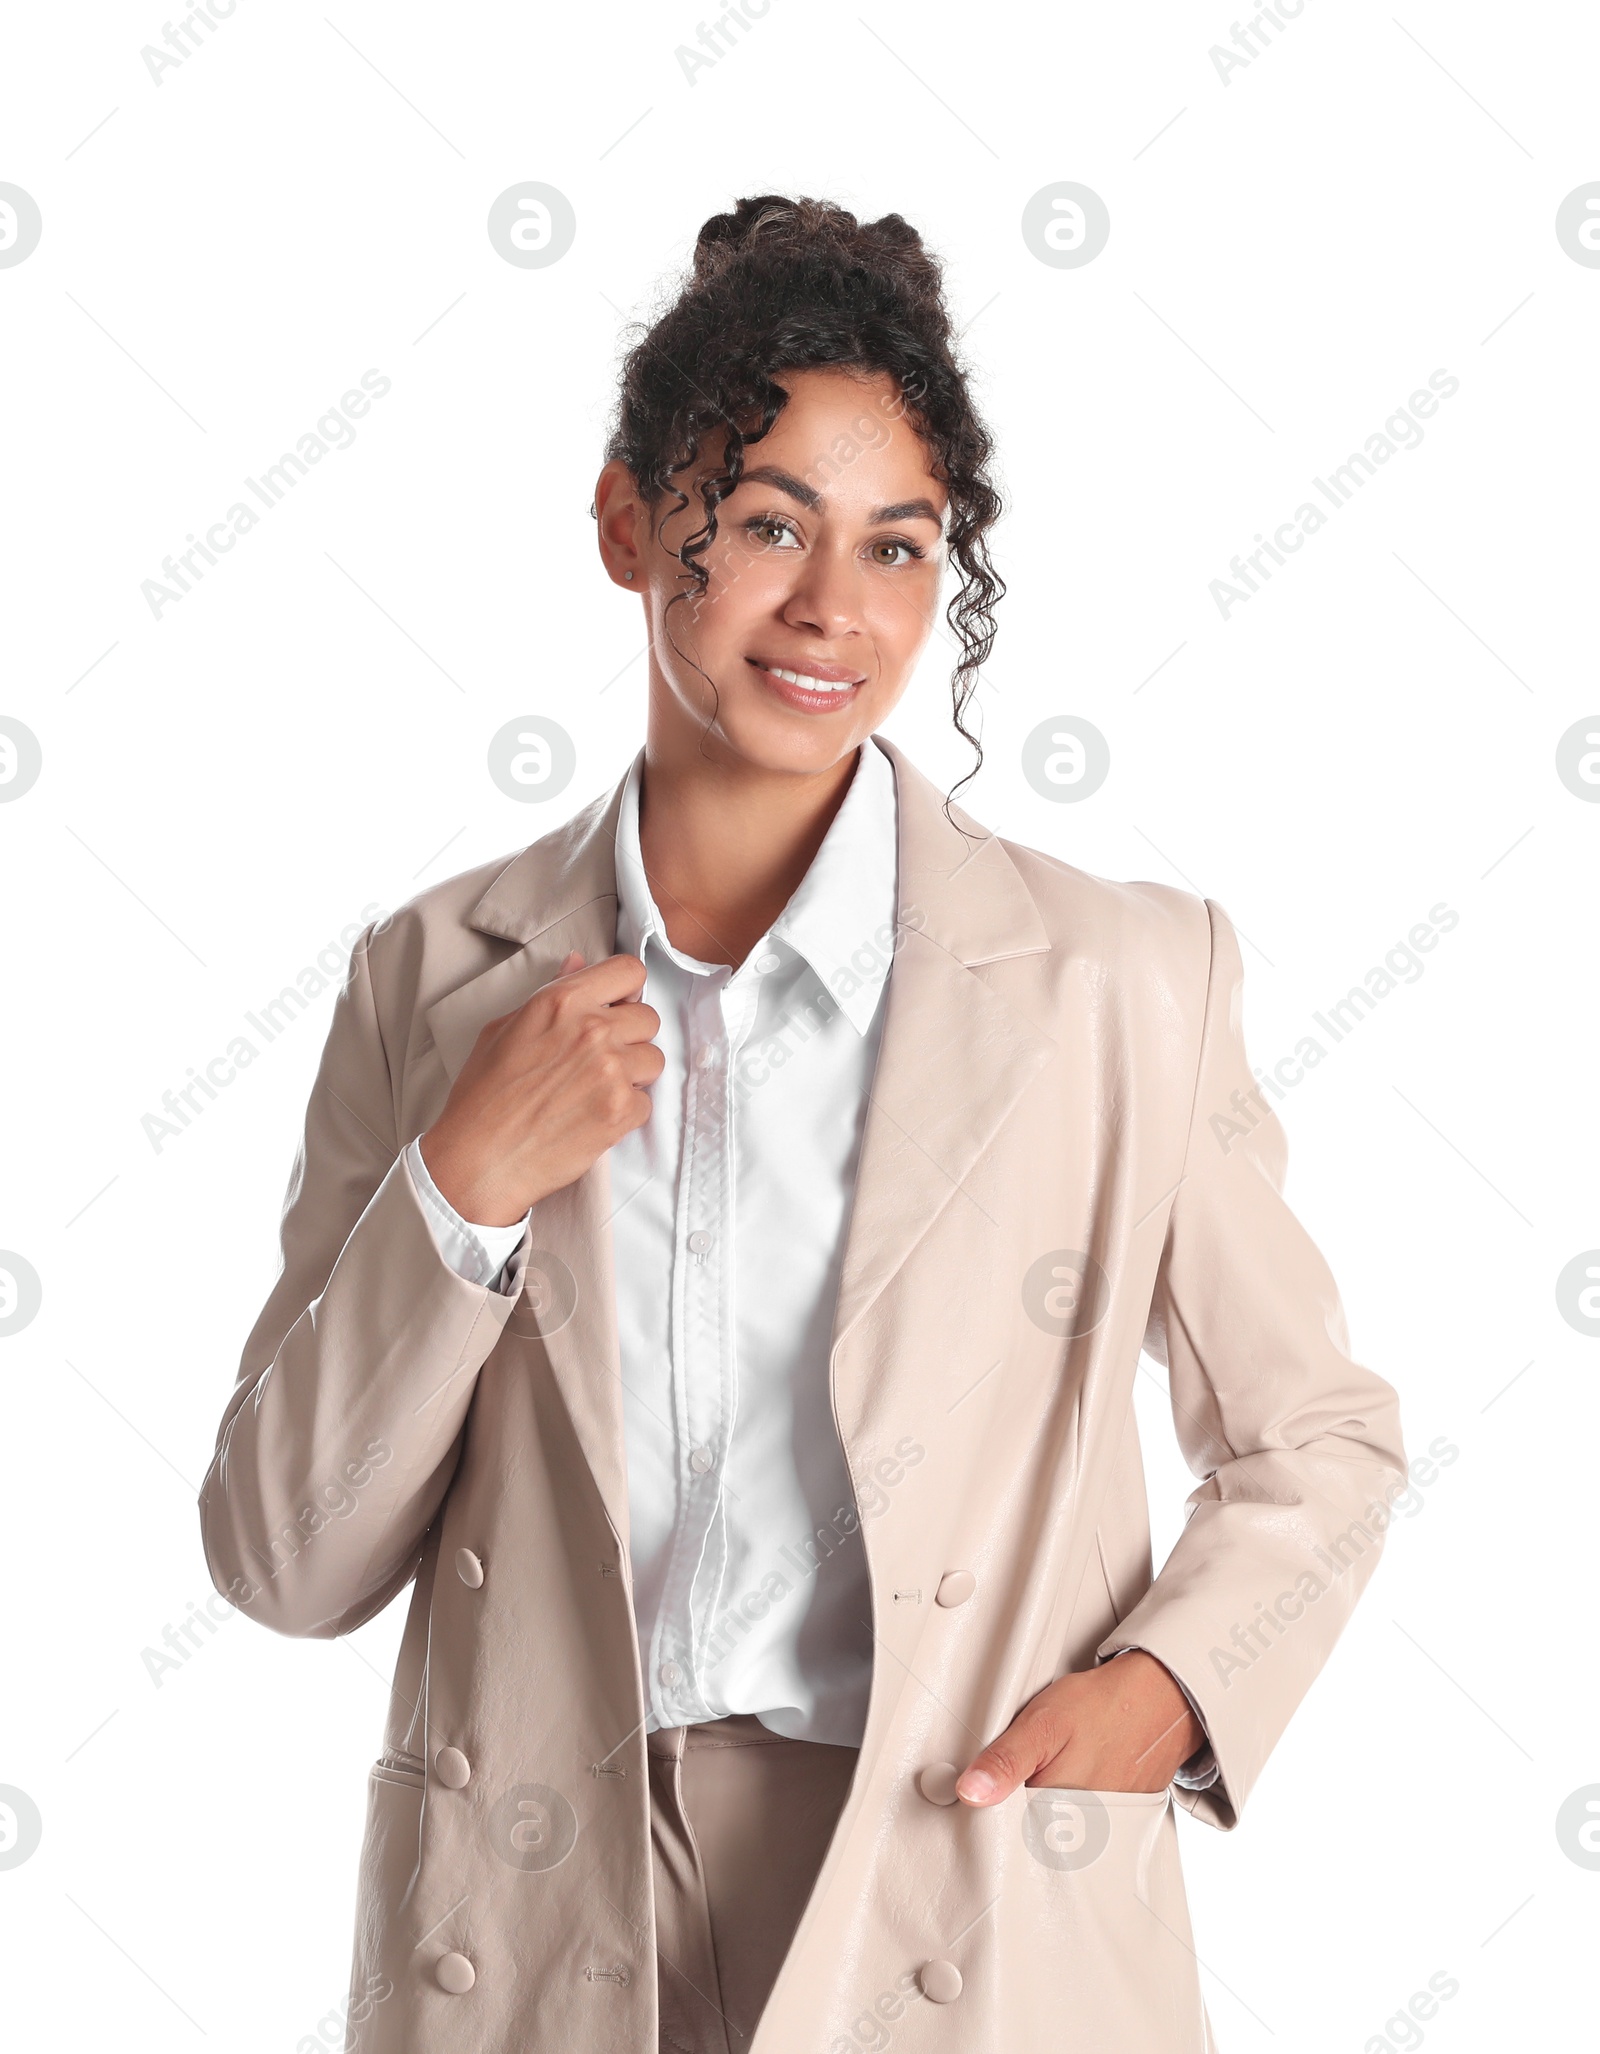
{"points": [[830, 673], [799, 697]]}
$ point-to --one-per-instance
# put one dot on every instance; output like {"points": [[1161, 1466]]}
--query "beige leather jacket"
{"points": [[1066, 1160]]}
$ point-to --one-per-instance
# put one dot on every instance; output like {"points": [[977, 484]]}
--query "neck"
{"points": [[726, 843]]}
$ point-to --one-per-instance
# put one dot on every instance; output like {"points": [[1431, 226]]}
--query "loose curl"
{"points": [[787, 285]]}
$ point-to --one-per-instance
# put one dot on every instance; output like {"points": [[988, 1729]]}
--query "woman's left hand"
{"points": [[1125, 1725]]}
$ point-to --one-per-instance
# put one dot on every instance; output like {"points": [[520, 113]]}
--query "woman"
{"points": [[714, 1276]]}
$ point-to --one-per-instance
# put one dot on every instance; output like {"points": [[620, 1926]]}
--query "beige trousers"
{"points": [[740, 1820]]}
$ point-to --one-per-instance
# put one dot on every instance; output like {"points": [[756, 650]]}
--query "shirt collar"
{"points": [[841, 916]]}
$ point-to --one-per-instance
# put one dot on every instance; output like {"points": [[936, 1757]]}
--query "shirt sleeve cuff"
{"points": [[477, 1253]]}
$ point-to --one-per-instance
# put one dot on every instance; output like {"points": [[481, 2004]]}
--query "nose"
{"points": [[827, 596]]}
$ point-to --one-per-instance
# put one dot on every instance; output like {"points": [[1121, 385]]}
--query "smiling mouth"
{"points": [[807, 681]]}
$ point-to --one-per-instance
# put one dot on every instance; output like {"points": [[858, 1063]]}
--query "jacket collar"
{"points": [[974, 902]]}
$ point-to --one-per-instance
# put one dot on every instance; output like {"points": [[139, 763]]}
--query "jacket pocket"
{"points": [[1098, 1889], [395, 1766]]}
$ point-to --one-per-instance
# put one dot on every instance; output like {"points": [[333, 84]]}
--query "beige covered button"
{"points": [[453, 1972], [454, 1772], [955, 1587], [940, 1980], [469, 1569], [938, 1782]]}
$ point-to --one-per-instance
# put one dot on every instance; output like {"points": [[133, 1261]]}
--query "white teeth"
{"points": [[798, 677]]}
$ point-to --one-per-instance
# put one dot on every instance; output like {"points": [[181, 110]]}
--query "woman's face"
{"points": [[824, 579]]}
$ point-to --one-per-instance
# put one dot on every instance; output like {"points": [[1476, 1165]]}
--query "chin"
{"points": [[796, 743]]}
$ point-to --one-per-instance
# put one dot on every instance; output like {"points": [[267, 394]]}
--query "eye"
{"points": [[892, 552], [771, 531]]}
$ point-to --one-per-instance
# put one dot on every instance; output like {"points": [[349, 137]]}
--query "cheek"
{"points": [[900, 614], [745, 586]]}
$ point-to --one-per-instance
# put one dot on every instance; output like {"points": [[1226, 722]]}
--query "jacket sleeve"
{"points": [[341, 1436], [1298, 1446]]}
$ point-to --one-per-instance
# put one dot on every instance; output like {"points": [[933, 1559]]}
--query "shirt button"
{"points": [[670, 1673], [699, 1241], [767, 961], [701, 1460], [469, 1568], [955, 1587]]}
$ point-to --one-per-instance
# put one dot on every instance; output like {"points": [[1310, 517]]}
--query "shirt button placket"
{"points": [[705, 1410]]}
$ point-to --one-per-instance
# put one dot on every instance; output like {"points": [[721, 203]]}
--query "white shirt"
{"points": [[730, 1207]]}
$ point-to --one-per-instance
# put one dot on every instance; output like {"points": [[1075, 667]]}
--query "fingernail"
{"points": [[975, 1787]]}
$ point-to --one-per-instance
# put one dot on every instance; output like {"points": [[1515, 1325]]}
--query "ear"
{"points": [[623, 520]]}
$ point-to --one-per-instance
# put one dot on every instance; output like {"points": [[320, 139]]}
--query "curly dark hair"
{"points": [[797, 284]]}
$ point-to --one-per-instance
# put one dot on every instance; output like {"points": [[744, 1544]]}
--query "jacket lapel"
{"points": [[955, 1056], [560, 894]]}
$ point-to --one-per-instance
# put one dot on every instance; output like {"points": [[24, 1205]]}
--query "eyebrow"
{"points": [[807, 496]]}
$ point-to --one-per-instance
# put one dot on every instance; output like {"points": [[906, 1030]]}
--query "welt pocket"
{"points": [[394, 1765]]}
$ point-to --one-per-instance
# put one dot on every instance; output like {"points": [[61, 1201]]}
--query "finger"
{"points": [[634, 1021], [610, 979], [1031, 1740], [572, 960]]}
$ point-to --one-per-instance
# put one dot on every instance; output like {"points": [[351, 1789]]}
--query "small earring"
{"points": [[628, 574]]}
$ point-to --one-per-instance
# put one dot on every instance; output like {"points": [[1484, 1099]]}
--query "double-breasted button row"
{"points": [[454, 1771]]}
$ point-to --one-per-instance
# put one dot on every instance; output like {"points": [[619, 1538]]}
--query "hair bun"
{"points": [[725, 234], [818, 228]]}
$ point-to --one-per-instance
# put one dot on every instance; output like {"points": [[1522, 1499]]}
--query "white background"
{"points": [[1292, 253]]}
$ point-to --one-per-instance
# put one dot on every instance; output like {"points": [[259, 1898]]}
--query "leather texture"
{"points": [[1055, 1173]]}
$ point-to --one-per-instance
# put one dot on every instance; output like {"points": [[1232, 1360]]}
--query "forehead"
{"points": [[848, 436]]}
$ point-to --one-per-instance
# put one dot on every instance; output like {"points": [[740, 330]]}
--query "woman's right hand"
{"points": [[546, 1090]]}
